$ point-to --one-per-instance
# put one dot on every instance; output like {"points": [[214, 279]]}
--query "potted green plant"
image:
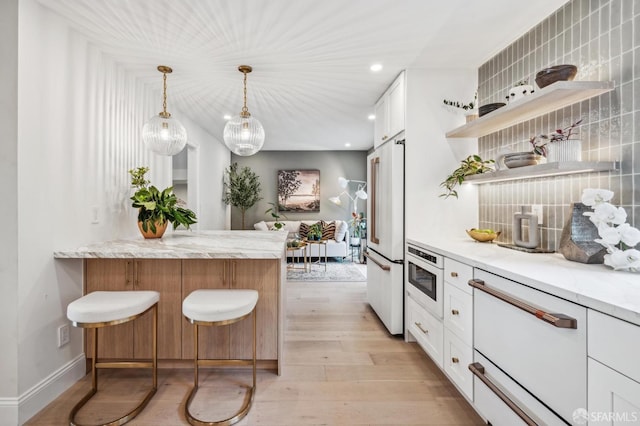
{"points": [[315, 232], [358, 225], [472, 165], [157, 208], [241, 188], [561, 145], [273, 210], [469, 108]]}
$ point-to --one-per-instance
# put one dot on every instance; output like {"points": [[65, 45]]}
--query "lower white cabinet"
{"points": [[457, 357], [613, 399], [426, 329]]}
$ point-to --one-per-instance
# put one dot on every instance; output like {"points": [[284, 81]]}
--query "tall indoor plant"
{"points": [[241, 188], [157, 208]]}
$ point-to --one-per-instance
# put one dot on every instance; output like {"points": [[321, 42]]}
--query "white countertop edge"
{"points": [[597, 287]]}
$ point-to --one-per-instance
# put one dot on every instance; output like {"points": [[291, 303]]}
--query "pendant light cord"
{"points": [[164, 113], [245, 111]]}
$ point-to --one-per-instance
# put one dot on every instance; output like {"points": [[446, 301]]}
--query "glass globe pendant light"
{"points": [[243, 134], [162, 134]]}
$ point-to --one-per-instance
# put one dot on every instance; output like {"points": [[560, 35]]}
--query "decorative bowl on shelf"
{"points": [[550, 75], [486, 109], [483, 235], [521, 159]]}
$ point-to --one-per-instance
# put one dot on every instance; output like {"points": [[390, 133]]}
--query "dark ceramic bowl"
{"points": [[486, 109], [557, 73]]}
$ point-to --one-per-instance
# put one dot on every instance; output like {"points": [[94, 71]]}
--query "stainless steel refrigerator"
{"points": [[385, 234]]}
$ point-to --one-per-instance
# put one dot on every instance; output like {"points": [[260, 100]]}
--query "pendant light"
{"points": [[162, 134], [243, 134]]}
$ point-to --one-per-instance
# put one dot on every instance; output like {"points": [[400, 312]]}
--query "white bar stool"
{"points": [[106, 308], [216, 308]]}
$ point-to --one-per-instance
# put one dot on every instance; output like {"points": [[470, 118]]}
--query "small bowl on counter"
{"points": [[482, 235], [550, 75], [486, 109]]}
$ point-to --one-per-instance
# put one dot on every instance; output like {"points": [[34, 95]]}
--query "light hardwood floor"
{"points": [[340, 368]]}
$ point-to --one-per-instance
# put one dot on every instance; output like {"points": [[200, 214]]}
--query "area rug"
{"points": [[336, 271]]}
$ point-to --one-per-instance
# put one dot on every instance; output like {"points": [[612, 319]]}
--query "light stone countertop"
{"points": [[187, 245], [595, 286]]}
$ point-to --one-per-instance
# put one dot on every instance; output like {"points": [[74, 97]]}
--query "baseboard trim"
{"points": [[8, 411], [40, 395]]}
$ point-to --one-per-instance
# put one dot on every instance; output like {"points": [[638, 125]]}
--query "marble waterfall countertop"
{"points": [[187, 245], [595, 286]]}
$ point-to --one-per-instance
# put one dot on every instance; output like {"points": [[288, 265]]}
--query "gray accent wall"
{"points": [[332, 164], [602, 38]]}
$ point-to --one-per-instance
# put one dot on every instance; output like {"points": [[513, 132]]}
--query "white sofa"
{"points": [[336, 247]]}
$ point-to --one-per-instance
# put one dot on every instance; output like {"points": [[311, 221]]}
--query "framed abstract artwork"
{"points": [[299, 191]]}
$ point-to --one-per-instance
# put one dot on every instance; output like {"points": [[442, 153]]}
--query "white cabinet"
{"points": [[457, 357], [389, 112], [613, 371], [426, 329], [614, 399], [458, 313]]}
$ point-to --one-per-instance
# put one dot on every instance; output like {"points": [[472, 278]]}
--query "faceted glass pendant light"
{"points": [[163, 134], [243, 134]]}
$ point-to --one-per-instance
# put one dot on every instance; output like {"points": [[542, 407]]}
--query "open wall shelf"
{"points": [[558, 95], [543, 170]]}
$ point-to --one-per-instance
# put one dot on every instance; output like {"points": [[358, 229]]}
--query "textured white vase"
{"points": [[569, 150]]}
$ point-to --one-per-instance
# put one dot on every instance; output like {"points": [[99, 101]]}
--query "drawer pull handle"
{"points": [[455, 360], [478, 370], [419, 325], [558, 320], [454, 274], [455, 312], [383, 267]]}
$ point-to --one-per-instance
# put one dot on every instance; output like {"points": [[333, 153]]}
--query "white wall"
{"points": [[9, 211], [430, 157], [79, 117]]}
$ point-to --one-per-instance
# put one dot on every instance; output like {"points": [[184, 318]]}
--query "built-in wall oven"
{"points": [[425, 278]]}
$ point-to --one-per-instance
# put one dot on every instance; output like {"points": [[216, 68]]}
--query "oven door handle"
{"points": [[478, 370], [557, 320], [383, 267]]}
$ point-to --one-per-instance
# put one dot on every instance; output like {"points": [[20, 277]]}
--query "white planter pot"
{"points": [[561, 151], [518, 92]]}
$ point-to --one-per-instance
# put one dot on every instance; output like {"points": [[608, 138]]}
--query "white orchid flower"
{"points": [[609, 235], [628, 234], [608, 213], [623, 260], [592, 197]]}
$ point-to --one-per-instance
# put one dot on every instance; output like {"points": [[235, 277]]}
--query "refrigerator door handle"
{"points": [[375, 162], [383, 267]]}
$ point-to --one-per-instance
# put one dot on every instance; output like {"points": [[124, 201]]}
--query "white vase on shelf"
{"points": [[567, 150]]}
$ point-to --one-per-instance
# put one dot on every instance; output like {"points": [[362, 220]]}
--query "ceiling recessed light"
{"points": [[227, 117], [348, 144], [371, 117], [375, 67]]}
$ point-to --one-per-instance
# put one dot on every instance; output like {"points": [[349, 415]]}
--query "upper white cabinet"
{"points": [[389, 111], [555, 96]]}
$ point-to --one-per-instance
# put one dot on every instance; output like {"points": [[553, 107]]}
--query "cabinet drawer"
{"points": [[458, 313], [511, 329], [612, 394], [497, 412], [615, 343], [427, 330], [457, 357], [458, 274]]}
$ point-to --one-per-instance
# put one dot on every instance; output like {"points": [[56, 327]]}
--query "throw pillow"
{"points": [[261, 226], [304, 229], [341, 230], [328, 230]]}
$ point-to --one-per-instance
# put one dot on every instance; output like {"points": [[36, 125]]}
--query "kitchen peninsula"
{"points": [[175, 266]]}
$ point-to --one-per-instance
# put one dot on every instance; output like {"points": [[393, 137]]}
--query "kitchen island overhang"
{"points": [[180, 263]]}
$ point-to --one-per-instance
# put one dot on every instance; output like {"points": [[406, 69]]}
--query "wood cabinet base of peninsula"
{"points": [[174, 279]]}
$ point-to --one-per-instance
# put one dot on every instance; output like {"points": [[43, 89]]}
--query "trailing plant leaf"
{"points": [[472, 165]]}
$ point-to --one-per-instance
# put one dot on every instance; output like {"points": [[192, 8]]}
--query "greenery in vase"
{"points": [[155, 206], [472, 165], [358, 224], [539, 142], [241, 188], [315, 232], [467, 107], [273, 210]]}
